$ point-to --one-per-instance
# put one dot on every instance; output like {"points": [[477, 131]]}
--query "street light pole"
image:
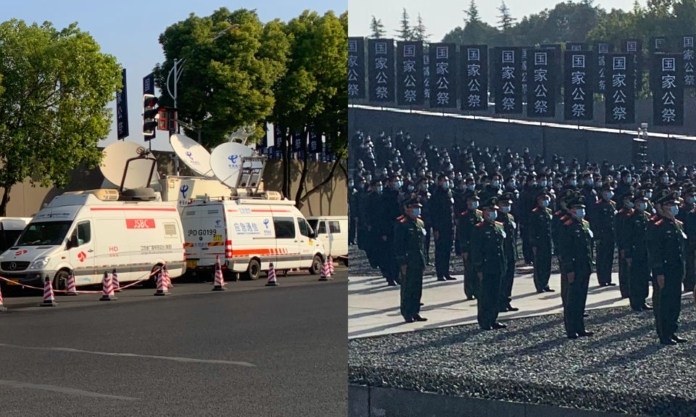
{"points": [[177, 70]]}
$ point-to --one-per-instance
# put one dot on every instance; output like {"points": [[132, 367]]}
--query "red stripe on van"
{"points": [[130, 209], [270, 211]]}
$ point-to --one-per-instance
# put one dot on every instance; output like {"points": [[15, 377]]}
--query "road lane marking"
{"points": [[63, 390], [134, 355]]}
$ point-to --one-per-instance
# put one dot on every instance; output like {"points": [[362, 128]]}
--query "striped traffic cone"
{"points": [[107, 288], [2, 305], [114, 281], [167, 278], [219, 279], [325, 271], [271, 276], [72, 290], [162, 288], [331, 265], [49, 300]]}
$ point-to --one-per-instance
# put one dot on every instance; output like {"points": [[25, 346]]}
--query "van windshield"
{"points": [[44, 234]]}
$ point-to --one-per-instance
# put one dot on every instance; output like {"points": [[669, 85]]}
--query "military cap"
{"points": [[490, 204], [506, 198], [669, 197], [628, 194], [640, 196], [412, 202], [542, 193], [471, 195], [376, 181], [625, 173], [570, 176], [658, 196], [646, 186], [578, 201], [607, 187], [567, 195]]}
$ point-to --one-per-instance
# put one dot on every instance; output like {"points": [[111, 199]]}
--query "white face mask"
{"points": [[580, 213], [493, 215], [505, 209]]}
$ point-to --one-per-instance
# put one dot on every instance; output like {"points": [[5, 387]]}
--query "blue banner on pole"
{"points": [[122, 109]]}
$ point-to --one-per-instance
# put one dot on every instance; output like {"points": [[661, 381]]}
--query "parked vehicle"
{"points": [[10, 229], [333, 231]]}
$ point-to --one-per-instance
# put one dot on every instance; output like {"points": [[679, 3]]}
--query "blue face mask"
{"points": [[474, 205], [545, 203], [505, 209], [573, 183], [609, 195], [589, 182], [692, 200], [674, 210], [580, 213], [495, 183], [416, 212], [543, 183], [629, 204], [410, 188], [398, 184], [642, 206], [649, 194], [493, 215], [379, 189], [471, 187]]}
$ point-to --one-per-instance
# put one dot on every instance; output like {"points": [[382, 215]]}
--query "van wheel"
{"points": [[317, 263], [152, 281], [253, 270], [60, 281]]}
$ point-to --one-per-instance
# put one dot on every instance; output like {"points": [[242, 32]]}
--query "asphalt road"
{"points": [[248, 351]]}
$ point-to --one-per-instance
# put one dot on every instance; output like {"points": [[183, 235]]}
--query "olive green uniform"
{"points": [[488, 257], [409, 237], [575, 250]]}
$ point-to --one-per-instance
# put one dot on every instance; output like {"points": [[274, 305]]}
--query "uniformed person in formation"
{"points": [[540, 237], [622, 217], [509, 246], [466, 221], [666, 241], [409, 235], [488, 257], [575, 250], [561, 216], [603, 227], [687, 215], [441, 205], [636, 253]]}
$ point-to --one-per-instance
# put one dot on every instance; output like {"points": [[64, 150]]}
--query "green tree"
{"points": [[232, 63], [420, 32], [505, 19], [405, 33], [475, 31], [313, 91], [56, 85], [377, 28]]}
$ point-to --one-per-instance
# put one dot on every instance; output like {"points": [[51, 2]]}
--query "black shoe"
{"points": [[611, 284], [428, 264], [678, 339], [585, 315], [540, 291], [419, 318], [441, 279], [624, 296], [410, 320], [391, 284], [450, 278], [499, 326], [645, 307], [547, 289], [421, 304], [585, 334], [486, 328], [572, 336], [511, 308], [669, 342], [470, 297]]}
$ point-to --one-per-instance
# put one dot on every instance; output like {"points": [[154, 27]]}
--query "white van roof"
{"points": [[14, 223]]}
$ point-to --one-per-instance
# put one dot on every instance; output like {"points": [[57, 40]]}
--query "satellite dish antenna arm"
{"points": [[145, 155]]}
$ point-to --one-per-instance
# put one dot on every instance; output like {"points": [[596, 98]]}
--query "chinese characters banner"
{"points": [[507, 81], [475, 68], [635, 47], [409, 62], [688, 49], [122, 109], [578, 103], [558, 57], [315, 144], [601, 50], [426, 75], [620, 97], [523, 53], [356, 68], [443, 75], [576, 46], [657, 46], [381, 71], [541, 94], [668, 97], [299, 141]]}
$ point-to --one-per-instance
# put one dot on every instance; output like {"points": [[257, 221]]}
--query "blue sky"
{"points": [[129, 30]]}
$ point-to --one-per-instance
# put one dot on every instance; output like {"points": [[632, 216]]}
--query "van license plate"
{"points": [[191, 264]]}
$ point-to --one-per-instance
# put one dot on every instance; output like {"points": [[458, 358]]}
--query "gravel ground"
{"points": [[359, 265], [622, 368]]}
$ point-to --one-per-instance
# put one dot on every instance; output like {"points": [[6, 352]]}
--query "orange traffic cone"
{"points": [[107, 288], [167, 278], [114, 281], [162, 288], [71, 285], [331, 265], [271, 276], [219, 279], [325, 271], [49, 300], [2, 305]]}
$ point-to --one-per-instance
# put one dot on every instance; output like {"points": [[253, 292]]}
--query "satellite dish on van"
{"points": [[226, 162], [116, 158], [192, 154]]}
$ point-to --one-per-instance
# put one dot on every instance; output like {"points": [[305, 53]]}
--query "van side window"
{"points": [[334, 227], [284, 227], [84, 233], [322, 228], [304, 227]]}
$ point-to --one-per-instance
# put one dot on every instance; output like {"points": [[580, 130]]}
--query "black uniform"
{"points": [[488, 257], [424, 196], [603, 227], [690, 257], [575, 250], [636, 250], [390, 210], [621, 242], [509, 247], [353, 214], [372, 220], [666, 240], [540, 238], [466, 222], [441, 204], [408, 246]]}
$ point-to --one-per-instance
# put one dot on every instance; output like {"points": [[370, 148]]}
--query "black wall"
{"points": [[547, 141]]}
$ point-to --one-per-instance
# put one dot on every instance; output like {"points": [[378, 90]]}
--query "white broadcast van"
{"points": [[333, 231], [10, 229], [90, 232], [248, 233]]}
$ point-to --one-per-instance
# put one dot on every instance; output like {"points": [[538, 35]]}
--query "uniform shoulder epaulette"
{"points": [[402, 219], [569, 222], [558, 212], [499, 223], [659, 222], [535, 209], [654, 218], [463, 213], [585, 222], [564, 218], [630, 213], [679, 222], [623, 209], [478, 211], [479, 224], [598, 201]]}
